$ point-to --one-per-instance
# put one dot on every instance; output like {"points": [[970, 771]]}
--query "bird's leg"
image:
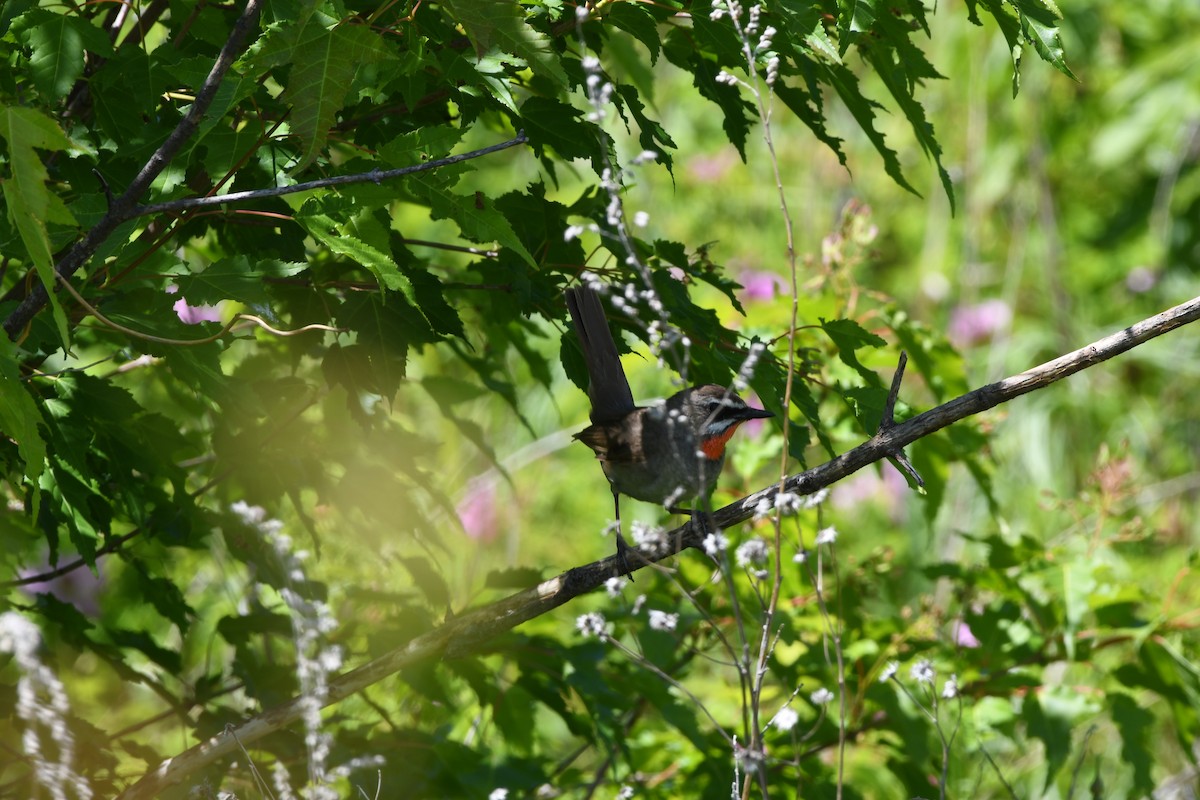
{"points": [[622, 547]]}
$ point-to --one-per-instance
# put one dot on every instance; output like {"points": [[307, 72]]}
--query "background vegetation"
{"points": [[206, 517]]}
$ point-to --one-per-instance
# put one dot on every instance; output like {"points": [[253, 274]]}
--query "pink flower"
{"points": [[194, 315], [976, 323], [759, 285], [477, 509], [963, 636]]}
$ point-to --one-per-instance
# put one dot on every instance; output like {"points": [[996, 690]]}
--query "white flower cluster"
{"points": [[590, 624], [788, 503], [42, 704], [312, 619]]}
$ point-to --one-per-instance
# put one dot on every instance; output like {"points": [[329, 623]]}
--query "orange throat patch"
{"points": [[714, 446]]}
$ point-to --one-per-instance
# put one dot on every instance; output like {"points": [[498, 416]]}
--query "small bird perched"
{"points": [[662, 454]]}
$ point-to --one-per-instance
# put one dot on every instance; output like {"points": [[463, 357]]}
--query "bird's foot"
{"points": [[623, 549]]}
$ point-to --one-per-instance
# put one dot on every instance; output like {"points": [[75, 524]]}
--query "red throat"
{"points": [[714, 446]]}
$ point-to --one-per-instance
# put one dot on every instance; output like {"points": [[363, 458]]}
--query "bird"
{"points": [[663, 453]]}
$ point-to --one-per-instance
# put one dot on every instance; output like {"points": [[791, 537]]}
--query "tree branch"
{"points": [[466, 633], [374, 176]]}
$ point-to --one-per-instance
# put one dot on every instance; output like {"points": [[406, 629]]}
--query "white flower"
{"points": [[590, 624], [786, 719], [816, 498], [573, 232], [762, 508], [644, 156], [827, 535], [498, 794], [800, 557], [891, 669], [614, 585], [715, 544], [751, 552], [950, 688], [772, 70], [637, 604], [650, 538], [821, 696], [788, 503], [725, 77], [625, 793], [922, 671], [662, 621], [641, 219]]}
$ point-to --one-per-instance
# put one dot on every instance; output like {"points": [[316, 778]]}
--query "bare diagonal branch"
{"points": [[466, 633]]}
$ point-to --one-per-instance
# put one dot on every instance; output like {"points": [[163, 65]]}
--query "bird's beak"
{"points": [[756, 413]]}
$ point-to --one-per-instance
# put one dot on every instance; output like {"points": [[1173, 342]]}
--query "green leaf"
{"points": [[1039, 25], [165, 596], [849, 337], [846, 84], [324, 63], [20, 419], [58, 42], [1136, 725], [501, 24], [635, 19], [30, 203], [558, 125], [1051, 716], [1026, 22], [475, 215], [651, 134], [338, 237], [234, 278]]}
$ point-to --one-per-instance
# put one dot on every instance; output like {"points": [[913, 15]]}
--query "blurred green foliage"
{"points": [[420, 453]]}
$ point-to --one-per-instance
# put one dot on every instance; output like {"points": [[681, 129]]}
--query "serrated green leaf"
{"points": [[234, 279], [57, 42], [1039, 24], [846, 84], [30, 203], [335, 236], [549, 122], [652, 136], [475, 215], [57, 60], [501, 24], [324, 65], [635, 19]]}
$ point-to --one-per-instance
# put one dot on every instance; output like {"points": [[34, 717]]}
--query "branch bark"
{"points": [[467, 633]]}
